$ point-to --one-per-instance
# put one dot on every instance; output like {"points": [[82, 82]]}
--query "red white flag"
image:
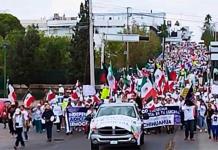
{"points": [[29, 99], [12, 95], [147, 89], [159, 78], [77, 83], [50, 95]]}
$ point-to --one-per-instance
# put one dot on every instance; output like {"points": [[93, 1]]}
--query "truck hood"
{"points": [[121, 121]]}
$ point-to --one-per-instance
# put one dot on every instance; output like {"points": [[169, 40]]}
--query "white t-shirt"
{"points": [[18, 121], [188, 112], [214, 120], [202, 110], [57, 110], [25, 114]]}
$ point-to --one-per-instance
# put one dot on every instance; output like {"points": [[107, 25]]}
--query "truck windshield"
{"points": [[117, 110]]}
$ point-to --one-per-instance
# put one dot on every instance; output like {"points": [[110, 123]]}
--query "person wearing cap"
{"points": [[48, 118], [19, 123]]}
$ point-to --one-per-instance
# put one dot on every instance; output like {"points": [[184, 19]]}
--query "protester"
{"points": [[209, 114], [27, 122], [10, 113], [57, 110], [19, 122], [214, 118], [4, 116], [189, 109], [37, 119], [48, 118], [202, 113]]}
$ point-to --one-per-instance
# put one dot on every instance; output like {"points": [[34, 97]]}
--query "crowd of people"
{"points": [[185, 67]]}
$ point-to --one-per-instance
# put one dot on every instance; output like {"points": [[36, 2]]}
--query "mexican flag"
{"points": [[147, 89], [159, 78], [29, 99], [111, 78], [168, 86], [150, 104], [50, 95], [12, 95], [139, 72]]}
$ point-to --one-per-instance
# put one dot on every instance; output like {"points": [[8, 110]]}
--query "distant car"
{"points": [[116, 124], [3, 104]]}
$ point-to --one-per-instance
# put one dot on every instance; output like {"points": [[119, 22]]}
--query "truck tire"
{"points": [[94, 146]]}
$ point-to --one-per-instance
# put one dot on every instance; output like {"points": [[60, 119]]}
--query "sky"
{"points": [[187, 12]]}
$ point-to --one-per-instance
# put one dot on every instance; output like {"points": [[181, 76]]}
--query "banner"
{"points": [[75, 116], [89, 90], [162, 116]]}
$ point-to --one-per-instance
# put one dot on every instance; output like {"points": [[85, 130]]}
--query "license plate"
{"points": [[113, 142]]}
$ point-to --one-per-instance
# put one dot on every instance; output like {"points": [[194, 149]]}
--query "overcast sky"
{"points": [[188, 12]]}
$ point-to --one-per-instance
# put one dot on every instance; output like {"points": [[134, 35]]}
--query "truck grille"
{"points": [[110, 131]]}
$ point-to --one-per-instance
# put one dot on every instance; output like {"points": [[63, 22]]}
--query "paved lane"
{"points": [[77, 141]]}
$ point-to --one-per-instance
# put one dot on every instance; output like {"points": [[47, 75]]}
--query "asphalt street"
{"points": [[77, 141]]}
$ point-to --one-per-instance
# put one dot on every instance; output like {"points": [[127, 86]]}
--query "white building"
{"points": [[55, 26], [104, 23]]}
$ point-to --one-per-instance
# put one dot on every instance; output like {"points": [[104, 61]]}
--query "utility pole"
{"points": [[127, 43], [164, 39], [102, 50], [91, 46]]}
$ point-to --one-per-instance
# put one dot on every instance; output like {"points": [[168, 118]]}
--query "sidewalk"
{"points": [[201, 142]]}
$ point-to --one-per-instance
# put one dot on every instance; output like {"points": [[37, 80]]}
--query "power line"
{"points": [[115, 6]]}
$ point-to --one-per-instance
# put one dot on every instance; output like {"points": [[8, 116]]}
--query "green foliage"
{"points": [[31, 56], [80, 47], [163, 30], [9, 23]]}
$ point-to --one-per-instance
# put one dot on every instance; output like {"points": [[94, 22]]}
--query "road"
{"points": [[77, 141]]}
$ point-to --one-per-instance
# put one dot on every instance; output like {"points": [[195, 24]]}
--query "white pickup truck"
{"points": [[116, 124]]}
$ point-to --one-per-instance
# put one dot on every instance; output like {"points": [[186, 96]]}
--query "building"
{"points": [[177, 33], [104, 23], [55, 26]]}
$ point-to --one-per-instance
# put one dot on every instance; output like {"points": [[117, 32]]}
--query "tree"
{"points": [[9, 23], [80, 47], [207, 21], [163, 31], [14, 54], [22, 53], [207, 34]]}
